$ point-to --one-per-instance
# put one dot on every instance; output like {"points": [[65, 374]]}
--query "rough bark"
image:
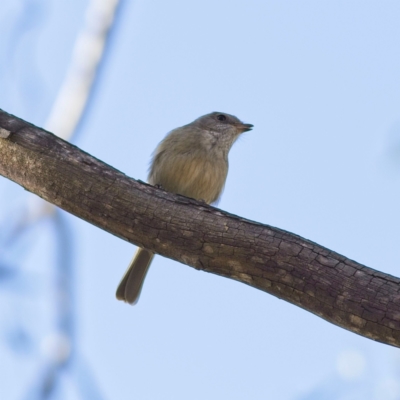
{"points": [[341, 291]]}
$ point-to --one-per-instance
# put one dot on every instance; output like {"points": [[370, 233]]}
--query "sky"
{"points": [[320, 83]]}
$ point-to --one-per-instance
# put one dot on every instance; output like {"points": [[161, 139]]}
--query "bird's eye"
{"points": [[221, 117]]}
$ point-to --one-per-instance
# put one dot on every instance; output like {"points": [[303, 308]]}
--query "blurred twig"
{"points": [[68, 110]]}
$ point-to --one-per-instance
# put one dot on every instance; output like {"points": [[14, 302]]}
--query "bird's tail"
{"points": [[131, 284]]}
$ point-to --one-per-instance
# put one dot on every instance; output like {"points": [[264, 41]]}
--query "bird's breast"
{"points": [[200, 176]]}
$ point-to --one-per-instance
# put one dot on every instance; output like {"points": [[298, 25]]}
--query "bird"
{"points": [[192, 161]]}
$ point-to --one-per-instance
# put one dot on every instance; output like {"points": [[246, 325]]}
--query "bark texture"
{"points": [[341, 291]]}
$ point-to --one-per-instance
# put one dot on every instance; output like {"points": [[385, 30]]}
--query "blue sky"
{"points": [[320, 82]]}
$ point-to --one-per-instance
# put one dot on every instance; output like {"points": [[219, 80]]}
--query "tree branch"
{"points": [[341, 291]]}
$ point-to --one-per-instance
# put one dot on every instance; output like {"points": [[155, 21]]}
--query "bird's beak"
{"points": [[245, 127]]}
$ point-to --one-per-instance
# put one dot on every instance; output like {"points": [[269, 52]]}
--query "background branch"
{"points": [[348, 294]]}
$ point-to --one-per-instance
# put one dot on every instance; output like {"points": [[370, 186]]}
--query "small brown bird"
{"points": [[192, 161]]}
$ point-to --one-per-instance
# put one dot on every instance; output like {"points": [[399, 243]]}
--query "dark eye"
{"points": [[221, 117]]}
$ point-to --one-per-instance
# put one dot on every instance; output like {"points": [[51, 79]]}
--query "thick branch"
{"points": [[310, 276]]}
